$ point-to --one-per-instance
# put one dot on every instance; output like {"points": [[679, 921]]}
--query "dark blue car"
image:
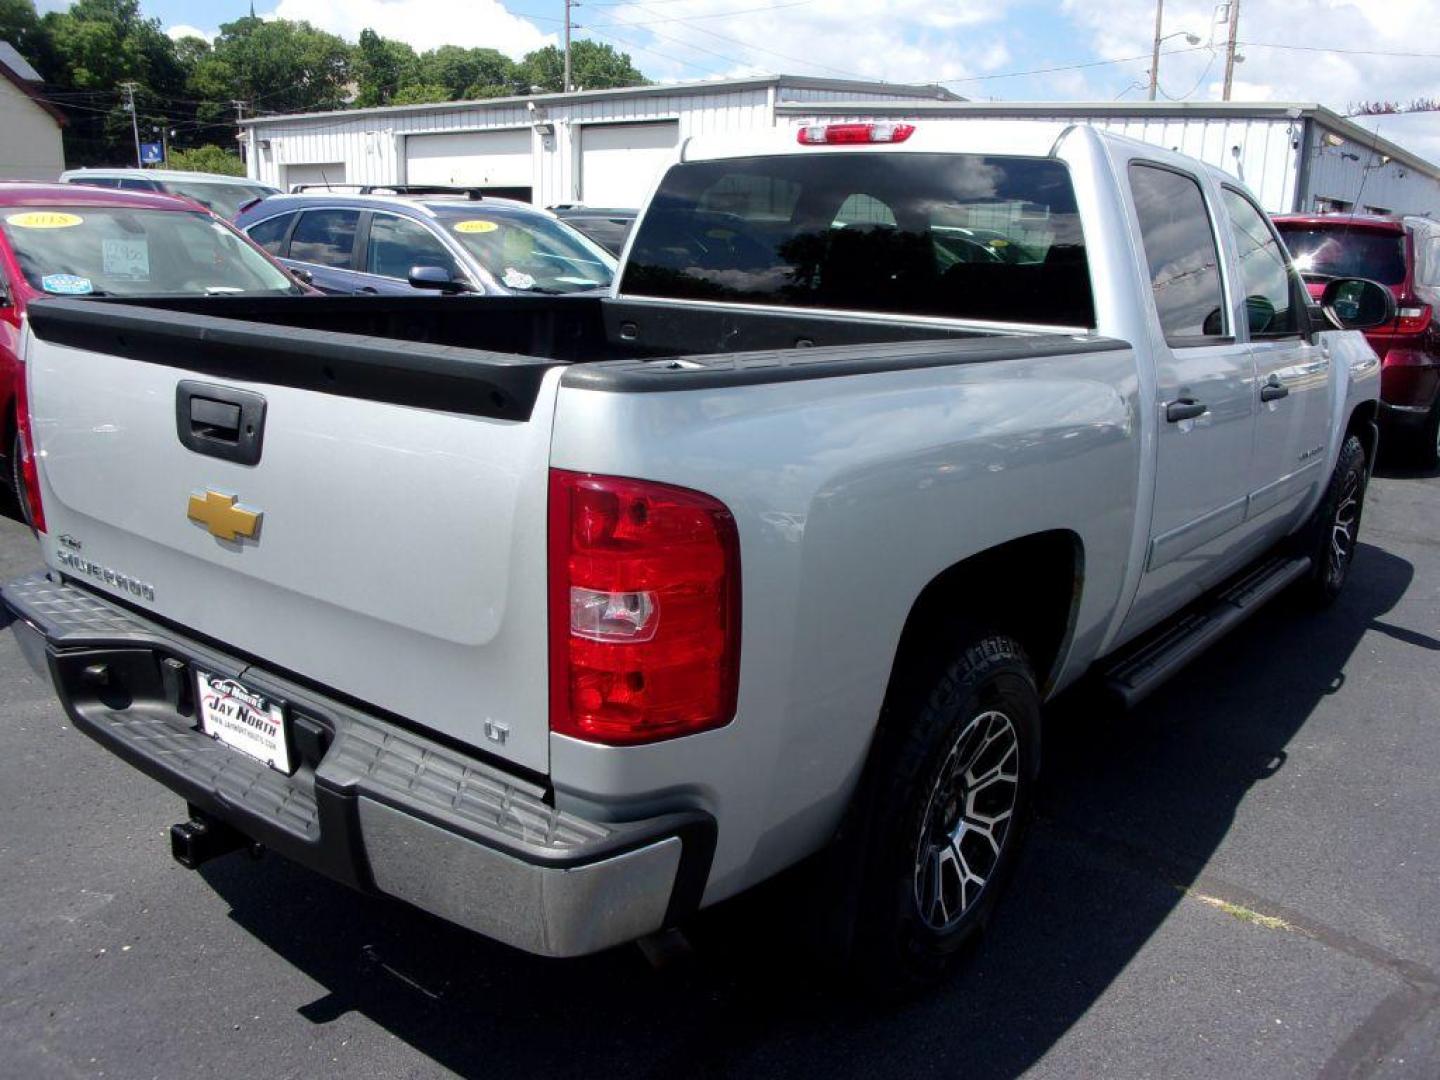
{"points": [[398, 241]]}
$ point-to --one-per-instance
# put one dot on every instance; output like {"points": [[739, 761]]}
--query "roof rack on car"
{"points": [[422, 189], [300, 189]]}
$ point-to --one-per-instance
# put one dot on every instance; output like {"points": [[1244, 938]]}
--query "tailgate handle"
{"points": [[219, 421]]}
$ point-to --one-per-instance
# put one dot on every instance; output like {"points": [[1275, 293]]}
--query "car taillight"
{"points": [[841, 134], [1412, 320], [29, 472], [644, 610]]}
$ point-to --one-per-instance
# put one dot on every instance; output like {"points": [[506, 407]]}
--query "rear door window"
{"points": [[325, 237], [958, 236], [270, 233], [1181, 253], [1265, 272]]}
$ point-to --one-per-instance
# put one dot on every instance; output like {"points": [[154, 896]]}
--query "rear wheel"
{"points": [[17, 480], [951, 792]]}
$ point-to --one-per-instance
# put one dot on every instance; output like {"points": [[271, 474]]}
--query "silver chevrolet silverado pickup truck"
{"points": [[563, 618]]}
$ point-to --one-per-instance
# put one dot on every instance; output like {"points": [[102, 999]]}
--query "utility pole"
{"points": [[568, 5], [1230, 48], [1155, 53], [129, 88]]}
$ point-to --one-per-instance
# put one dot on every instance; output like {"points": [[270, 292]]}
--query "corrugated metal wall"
{"points": [[1355, 176], [371, 145], [1262, 152]]}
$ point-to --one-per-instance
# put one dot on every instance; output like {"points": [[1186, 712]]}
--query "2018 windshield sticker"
{"points": [[66, 284], [476, 225], [44, 219], [125, 258], [516, 279]]}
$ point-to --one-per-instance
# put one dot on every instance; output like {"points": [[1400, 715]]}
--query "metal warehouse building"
{"points": [[1295, 157], [601, 147]]}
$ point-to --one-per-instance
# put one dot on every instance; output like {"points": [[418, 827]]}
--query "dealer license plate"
{"points": [[242, 719]]}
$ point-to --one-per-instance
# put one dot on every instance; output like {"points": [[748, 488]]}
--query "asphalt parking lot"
{"points": [[1242, 878]]}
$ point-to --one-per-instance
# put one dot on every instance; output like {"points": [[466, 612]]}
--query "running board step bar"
{"points": [[1142, 668]]}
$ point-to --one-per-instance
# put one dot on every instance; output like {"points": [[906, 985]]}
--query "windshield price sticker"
{"points": [[475, 226], [126, 258], [243, 720], [44, 219]]}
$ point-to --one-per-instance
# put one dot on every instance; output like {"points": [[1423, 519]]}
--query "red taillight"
{"points": [[644, 610], [1412, 320], [29, 474], [843, 134]]}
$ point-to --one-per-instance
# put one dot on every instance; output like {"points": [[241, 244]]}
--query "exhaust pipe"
{"points": [[203, 838]]}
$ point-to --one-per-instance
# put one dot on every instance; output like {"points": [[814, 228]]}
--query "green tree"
{"points": [[208, 158], [382, 67], [593, 66], [420, 94], [189, 51], [277, 66], [462, 71], [20, 26]]}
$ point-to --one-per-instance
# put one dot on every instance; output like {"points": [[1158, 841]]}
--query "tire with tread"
{"points": [[892, 944], [1340, 508]]}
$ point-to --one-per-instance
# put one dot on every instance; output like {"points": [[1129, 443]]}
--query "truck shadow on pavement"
{"points": [[1133, 808]]}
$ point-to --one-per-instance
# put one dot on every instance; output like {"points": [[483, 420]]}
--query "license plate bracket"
{"points": [[244, 719]]}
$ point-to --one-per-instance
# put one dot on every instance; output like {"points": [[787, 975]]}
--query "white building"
{"points": [[1295, 157], [601, 147], [29, 125]]}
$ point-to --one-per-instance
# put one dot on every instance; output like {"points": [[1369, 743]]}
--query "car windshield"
{"points": [[124, 251], [608, 232], [952, 235], [530, 252], [1335, 251], [224, 199]]}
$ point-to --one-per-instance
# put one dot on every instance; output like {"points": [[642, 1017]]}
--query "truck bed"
{"points": [[487, 358]]}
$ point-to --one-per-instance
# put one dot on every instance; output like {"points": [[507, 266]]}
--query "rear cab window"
{"points": [[958, 236]]}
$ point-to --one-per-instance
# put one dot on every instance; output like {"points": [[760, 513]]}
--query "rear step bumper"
{"points": [[371, 804]]}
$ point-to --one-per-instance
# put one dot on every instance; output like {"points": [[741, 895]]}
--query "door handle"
{"points": [[369, 290], [220, 421], [1184, 409], [1274, 391]]}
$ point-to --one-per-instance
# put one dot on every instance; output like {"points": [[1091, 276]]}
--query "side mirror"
{"points": [[302, 276], [1357, 303], [435, 277]]}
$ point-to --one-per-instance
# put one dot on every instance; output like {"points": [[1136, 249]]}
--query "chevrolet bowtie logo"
{"points": [[220, 514]]}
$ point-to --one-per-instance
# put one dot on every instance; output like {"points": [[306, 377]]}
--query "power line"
{"points": [[1345, 52], [1071, 67]]}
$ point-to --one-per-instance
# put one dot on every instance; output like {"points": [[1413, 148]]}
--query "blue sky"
{"points": [[974, 46]]}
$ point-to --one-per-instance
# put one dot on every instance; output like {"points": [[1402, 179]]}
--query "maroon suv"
{"points": [[1403, 253]]}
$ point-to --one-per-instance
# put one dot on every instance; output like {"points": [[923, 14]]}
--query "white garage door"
{"points": [[332, 172], [619, 162], [496, 160]]}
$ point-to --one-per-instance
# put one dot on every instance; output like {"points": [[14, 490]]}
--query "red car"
{"points": [[67, 240], [1403, 253]]}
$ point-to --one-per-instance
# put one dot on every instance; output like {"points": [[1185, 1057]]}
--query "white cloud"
{"points": [[182, 30], [891, 40], [422, 24]]}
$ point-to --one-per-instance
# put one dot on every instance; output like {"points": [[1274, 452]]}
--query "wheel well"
{"points": [[1363, 425], [1028, 588]]}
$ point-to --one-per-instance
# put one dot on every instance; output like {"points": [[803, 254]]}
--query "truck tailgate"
{"points": [[398, 557]]}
